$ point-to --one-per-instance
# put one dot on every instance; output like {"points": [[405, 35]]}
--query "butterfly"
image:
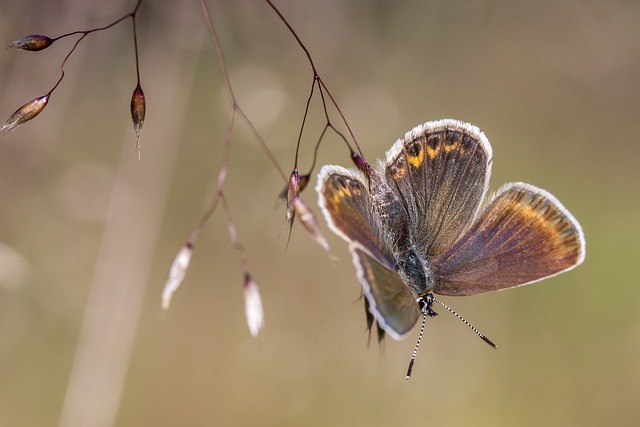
{"points": [[419, 223]]}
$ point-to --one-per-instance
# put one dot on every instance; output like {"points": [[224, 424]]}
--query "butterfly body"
{"points": [[418, 223], [415, 273]]}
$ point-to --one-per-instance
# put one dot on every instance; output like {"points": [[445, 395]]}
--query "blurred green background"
{"points": [[87, 232]]}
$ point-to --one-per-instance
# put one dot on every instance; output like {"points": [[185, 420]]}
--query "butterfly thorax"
{"points": [[415, 273], [394, 220]]}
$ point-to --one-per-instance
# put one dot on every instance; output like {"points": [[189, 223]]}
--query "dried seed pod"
{"points": [[360, 162], [309, 221], [33, 43], [25, 113], [176, 273], [301, 182], [253, 305], [138, 111], [292, 191]]}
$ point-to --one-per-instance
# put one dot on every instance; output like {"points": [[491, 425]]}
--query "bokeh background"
{"points": [[87, 232]]}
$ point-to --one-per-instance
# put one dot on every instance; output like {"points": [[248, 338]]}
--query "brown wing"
{"points": [[524, 235], [390, 301], [440, 171], [343, 196]]}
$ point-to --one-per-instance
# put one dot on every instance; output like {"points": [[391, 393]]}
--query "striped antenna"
{"points": [[425, 304], [415, 349], [480, 334]]}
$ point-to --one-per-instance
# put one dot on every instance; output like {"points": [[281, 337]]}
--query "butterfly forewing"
{"points": [[346, 204], [348, 208], [440, 171], [523, 236]]}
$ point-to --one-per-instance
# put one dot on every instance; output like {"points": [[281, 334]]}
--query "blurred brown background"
{"points": [[87, 232]]}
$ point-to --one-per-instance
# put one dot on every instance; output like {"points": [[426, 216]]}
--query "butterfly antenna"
{"points": [[480, 334], [415, 350]]}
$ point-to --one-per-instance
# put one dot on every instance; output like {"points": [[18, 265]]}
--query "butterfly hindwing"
{"points": [[524, 235], [390, 301]]}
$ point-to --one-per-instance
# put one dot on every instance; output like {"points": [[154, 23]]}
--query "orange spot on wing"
{"points": [[417, 160], [433, 152]]}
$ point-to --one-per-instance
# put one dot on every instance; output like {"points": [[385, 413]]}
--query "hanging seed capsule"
{"points": [[292, 191], [309, 221], [299, 183], [138, 110], [176, 273], [360, 162], [253, 306], [32, 43], [25, 113]]}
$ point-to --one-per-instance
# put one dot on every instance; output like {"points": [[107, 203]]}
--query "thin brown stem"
{"points": [[317, 77], [222, 175], [233, 103], [233, 236], [304, 120], [106, 27], [85, 33], [135, 46]]}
